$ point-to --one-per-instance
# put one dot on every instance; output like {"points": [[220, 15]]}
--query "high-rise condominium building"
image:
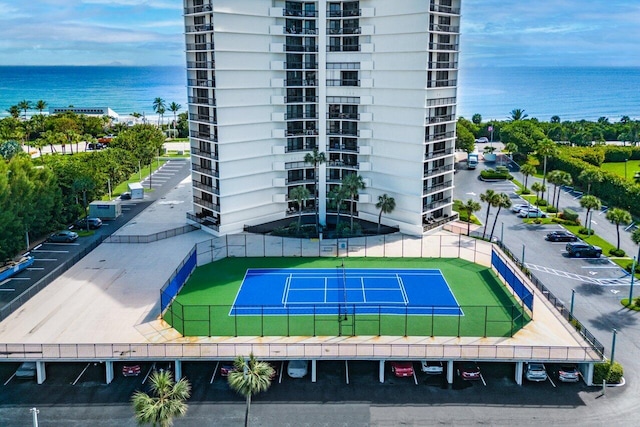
{"points": [[369, 83]]}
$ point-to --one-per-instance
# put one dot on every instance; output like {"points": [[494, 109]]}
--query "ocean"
{"points": [[573, 93]]}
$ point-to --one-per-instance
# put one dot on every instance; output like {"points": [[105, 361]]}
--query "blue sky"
{"points": [[494, 32]]}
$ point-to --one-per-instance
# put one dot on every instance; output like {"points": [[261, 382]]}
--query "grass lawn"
{"points": [[136, 177], [203, 306], [618, 168]]}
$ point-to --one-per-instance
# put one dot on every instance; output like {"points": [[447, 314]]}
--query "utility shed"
{"points": [[136, 190], [105, 210]]}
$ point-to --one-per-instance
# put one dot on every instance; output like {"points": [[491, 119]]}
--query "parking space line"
{"points": [[10, 378], [483, 381], [415, 378], [81, 373], [35, 268], [41, 251], [346, 370], [213, 377], [7, 290], [281, 371], [153, 366], [551, 381], [46, 259], [56, 244]]}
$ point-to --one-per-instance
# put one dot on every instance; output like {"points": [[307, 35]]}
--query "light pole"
{"points": [[109, 185], [633, 276], [573, 296], [35, 413], [613, 346]]}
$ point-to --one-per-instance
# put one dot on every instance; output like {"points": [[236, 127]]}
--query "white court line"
{"points": [[364, 296], [325, 290], [402, 290], [287, 286]]}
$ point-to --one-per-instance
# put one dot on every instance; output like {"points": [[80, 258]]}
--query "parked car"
{"points": [[561, 236], [402, 369], [94, 223], [225, 370], [433, 367], [26, 370], [63, 236], [469, 371], [536, 372], [125, 196], [297, 368], [482, 140], [568, 374], [583, 250], [95, 146], [131, 370], [531, 213], [517, 208]]}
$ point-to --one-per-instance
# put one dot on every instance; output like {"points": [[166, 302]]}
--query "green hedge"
{"points": [[495, 174], [612, 374]]}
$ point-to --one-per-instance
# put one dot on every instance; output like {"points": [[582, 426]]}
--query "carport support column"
{"points": [[450, 371], [313, 370], [178, 364], [108, 366], [41, 373], [588, 376], [381, 372], [519, 371]]}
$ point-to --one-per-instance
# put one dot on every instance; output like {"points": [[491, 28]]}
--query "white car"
{"points": [[26, 370], [482, 140], [536, 372], [517, 208], [531, 213], [297, 368], [433, 367]]}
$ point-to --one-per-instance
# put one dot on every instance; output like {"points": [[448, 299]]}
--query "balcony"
{"points": [[343, 48], [300, 82], [441, 83], [428, 189], [439, 153], [347, 30], [200, 46], [198, 28], [441, 119], [206, 204], [440, 65], [302, 132], [343, 165], [206, 171], [343, 82], [204, 153], [343, 116], [201, 83], [436, 204], [299, 31], [299, 181], [208, 188], [301, 116], [442, 28], [439, 137], [202, 101], [207, 65], [348, 132], [300, 48], [203, 118], [445, 9], [300, 65], [198, 9], [440, 101], [343, 147], [299, 147], [431, 223], [297, 13], [343, 13], [443, 46], [297, 165], [205, 221], [437, 171], [202, 135], [300, 99]]}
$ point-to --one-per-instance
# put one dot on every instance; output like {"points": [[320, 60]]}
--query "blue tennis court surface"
{"points": [[344, 291]]}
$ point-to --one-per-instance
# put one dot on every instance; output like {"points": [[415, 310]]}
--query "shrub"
{"points": [[569, 215], [612, 374], [576, 324], [616, 252], [525, 191], [494, 174], [586, 231], [630, 266], [552, 209], [541, 202]]}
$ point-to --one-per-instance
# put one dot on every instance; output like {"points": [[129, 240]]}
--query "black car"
{"points": [[583, 250], [94, 223], [125, 196], [561, 236]]}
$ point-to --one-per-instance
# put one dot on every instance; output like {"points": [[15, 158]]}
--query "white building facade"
{"points": [[369, 83]]}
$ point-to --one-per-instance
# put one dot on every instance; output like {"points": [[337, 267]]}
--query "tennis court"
{"points": [[369, 296], [344, 290]]}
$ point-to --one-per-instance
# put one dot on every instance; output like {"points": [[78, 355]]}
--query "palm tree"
{"points": [[518, 114], [250, 377], [490, 197], [168, 403], [618, 216], [503, 202], [353, 183], [537, 187], [470, 207], [555, 119], [14, 111], [300, 194], [546, 148], [174, 108], [40, 106], [386, 205], [159, 107], [564, 178], [316, 158], [554, 178], [337, 196], [590, 176], [510, 148], [527, 170], [24, 105], [589, 203]]}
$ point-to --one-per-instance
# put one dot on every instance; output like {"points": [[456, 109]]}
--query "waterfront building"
{"points": [[369, 83]]}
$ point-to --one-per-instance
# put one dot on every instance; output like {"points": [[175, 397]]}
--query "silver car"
{"points": [[536, 372], [27, 370], [297, 368]]}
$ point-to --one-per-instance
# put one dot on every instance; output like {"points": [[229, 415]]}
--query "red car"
{"points": [[402, 369], [469, 371], [131, 370], [225, 370]]}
